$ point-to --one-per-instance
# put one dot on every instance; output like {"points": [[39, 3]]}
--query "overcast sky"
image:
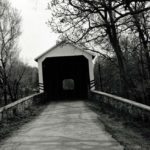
{"points": [[36, 35]]}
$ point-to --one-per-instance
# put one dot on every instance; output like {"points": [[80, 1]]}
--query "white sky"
{"points": [[36, 35]]}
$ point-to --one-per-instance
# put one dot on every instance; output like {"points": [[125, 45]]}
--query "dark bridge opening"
{"points": [[66, 77]]}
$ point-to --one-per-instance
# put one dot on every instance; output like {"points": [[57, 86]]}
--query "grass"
{"points": [[9, 126], [132, 134]]}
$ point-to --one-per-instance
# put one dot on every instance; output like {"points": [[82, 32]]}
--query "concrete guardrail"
{"points": [[123, 105], [19, 106]]}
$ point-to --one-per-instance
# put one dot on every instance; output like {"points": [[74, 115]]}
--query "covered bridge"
{"points": [[65, 71]]}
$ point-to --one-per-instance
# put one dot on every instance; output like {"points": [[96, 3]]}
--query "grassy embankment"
{"points": [[7, 127], [132, 134]]}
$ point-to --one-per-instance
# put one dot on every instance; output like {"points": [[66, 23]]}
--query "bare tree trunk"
{"points": [[100, 77], [123, 74], [112, 34], [5, 95], [111, 31], [141, 75], [10, 93]]}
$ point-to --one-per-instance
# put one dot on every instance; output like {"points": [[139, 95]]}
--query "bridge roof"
{"points": [[65, 43]]}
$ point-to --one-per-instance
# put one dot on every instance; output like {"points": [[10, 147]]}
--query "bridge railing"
{"points": [[20, 105], [122, 105], [92, 84], [41, 86]]}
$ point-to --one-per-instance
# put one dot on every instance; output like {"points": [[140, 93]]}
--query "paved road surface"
{"points": [[63, 126]]}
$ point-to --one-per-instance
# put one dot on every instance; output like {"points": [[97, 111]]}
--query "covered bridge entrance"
{"points": [[65, 72]]}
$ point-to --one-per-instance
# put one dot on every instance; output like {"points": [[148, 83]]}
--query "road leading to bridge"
{"points": [[63, 126]]}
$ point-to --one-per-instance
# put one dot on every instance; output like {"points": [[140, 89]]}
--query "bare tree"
{"points": [[9, 33], [142, 23], [15, 73], [96, 22]]}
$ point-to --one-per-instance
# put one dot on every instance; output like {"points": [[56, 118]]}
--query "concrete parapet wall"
{"points": [[12, 109], [122, 105]]}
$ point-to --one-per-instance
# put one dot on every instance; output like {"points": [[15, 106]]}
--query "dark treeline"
{"points": [[16, 78], [119, 32]]}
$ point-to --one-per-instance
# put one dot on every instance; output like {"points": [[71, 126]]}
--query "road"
{"points": [[63, 126]]}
